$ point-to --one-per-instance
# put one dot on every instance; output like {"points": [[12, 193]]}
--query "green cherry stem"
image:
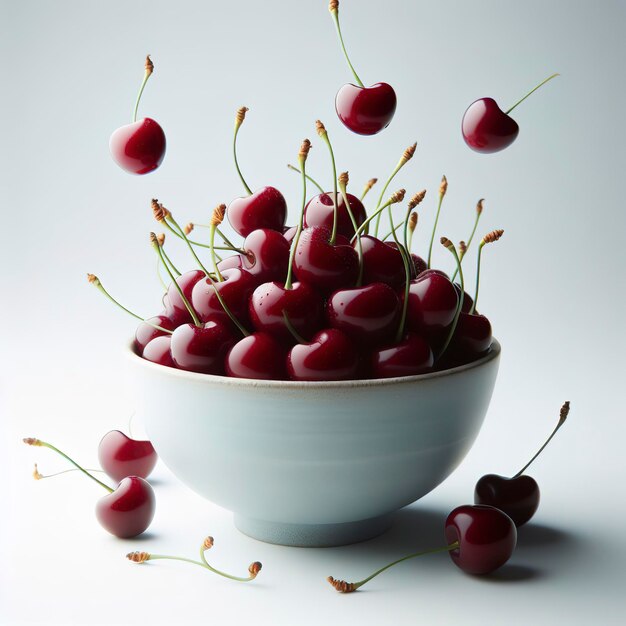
{"points": [[161, 240], [32, 441], [38, 476], [391, 232], [494, 235], [406, 156], [446, 243], [170, 218], [148, 72], [312, 180], [292, 329], [398, 196], [406, 260], [216, 219], [463, 252], [302, 156], [333, 7], [239, 118], [157, 248], [368, 185], [321, 131], [562, 417], [343, 182], [346, 587], [541, 84], [95, 281], [224, 238], [443, 187]]}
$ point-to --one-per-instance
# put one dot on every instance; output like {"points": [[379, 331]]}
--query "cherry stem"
{"points": [[481, 245], [295, 169], [407, 271], [469, 241], [321, 131], [206, 564], [294, 243], [94, 280], [291, 328], [31, 441], [228, 247], [366, 223], [212, 248], [335, 13], [170, 217], [158, 269], [392, 231], [157, 248], [354, 586], [238, 121], [370, 183], [450, 246], [541, 84], [562, 418], [38, 476], [432, 237], [146, 76], [344, 194], [167, 258]]}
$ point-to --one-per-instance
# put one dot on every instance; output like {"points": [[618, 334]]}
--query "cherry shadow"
{"points": [[539, 536]]}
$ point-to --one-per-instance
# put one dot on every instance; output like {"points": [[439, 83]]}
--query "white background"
{"points": [[553, 287]]}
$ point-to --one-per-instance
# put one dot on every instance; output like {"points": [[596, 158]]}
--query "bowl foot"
{"points": [[313, 535]]}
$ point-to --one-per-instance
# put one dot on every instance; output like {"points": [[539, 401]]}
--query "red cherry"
{"points": [[265, 208], [329, 356], [174, 305], [381, 262], [129, 509], [267, 257], [408, 357], [366, 110], [146, 333], [234, 261], [319, 211], [486, 537], [121, 456], [518, 497], [159, 351], [258, 356], [138, 148], [202, 348], [369, 315], [302, 305]]}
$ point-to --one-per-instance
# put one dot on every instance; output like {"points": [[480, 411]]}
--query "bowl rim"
{"points": [[493, 353]]}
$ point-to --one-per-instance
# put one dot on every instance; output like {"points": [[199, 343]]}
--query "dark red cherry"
{"points": [[234, 290], [129, 510], [267, 257], [518, 497], [468, 301], [410, 356], [320, 212], [369, 315], [202, 348], [472, 336], [329, 356], [302, 304], [158, 351], [381, 262], [325, 266], [486, 536], [366, 110], [146, 333], [258, 356], [139, 147], [486, 128], [174, 305], [265, 208], [121, 456], [419, 264]]}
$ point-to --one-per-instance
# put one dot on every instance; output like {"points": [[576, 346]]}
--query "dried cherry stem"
{"points": [[38, 476], [398, 196], [443, 187], [95, 281], [562, 417], [541, 84], [157, 248], [239, 118], [368, 185], [343, 182], [149, 68], [406, 156], [32, 441], [302, 157], [463, 250], [333, 7], [494, 235], [312, 180], [446, 243], [321, 131], [346, 587]]}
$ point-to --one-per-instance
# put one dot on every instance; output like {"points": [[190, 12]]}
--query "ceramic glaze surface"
{"points": [[295, 460]]}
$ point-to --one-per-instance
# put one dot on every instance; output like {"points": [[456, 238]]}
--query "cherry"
{"points": [[127, 510], [202, 348], [364, 110], [518, 496], [258, 356], [382, 262], [267, 257], [121, 456], [320, 212], [486, 538], [369, 315], [410, 356], [158, 350], [486, 128], [329, 356], [139, 147], [175, 306], [234, 261], [147, 331]]}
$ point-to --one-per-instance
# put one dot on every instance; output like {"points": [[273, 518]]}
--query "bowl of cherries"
{"points": [[313, 379]]}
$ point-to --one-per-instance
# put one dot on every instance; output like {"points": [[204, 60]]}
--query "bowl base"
{"points": [[313, 535]]}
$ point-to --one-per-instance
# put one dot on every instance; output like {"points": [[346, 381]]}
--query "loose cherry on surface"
{"points": [[518, 496], [319, 211], [121, 456], [139, 147], [127, 510], [480, 540], [259, 356], [158, 350], [486, 128]]}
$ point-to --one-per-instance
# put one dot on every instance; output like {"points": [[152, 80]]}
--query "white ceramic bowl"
{"points": [[308, 463]]}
